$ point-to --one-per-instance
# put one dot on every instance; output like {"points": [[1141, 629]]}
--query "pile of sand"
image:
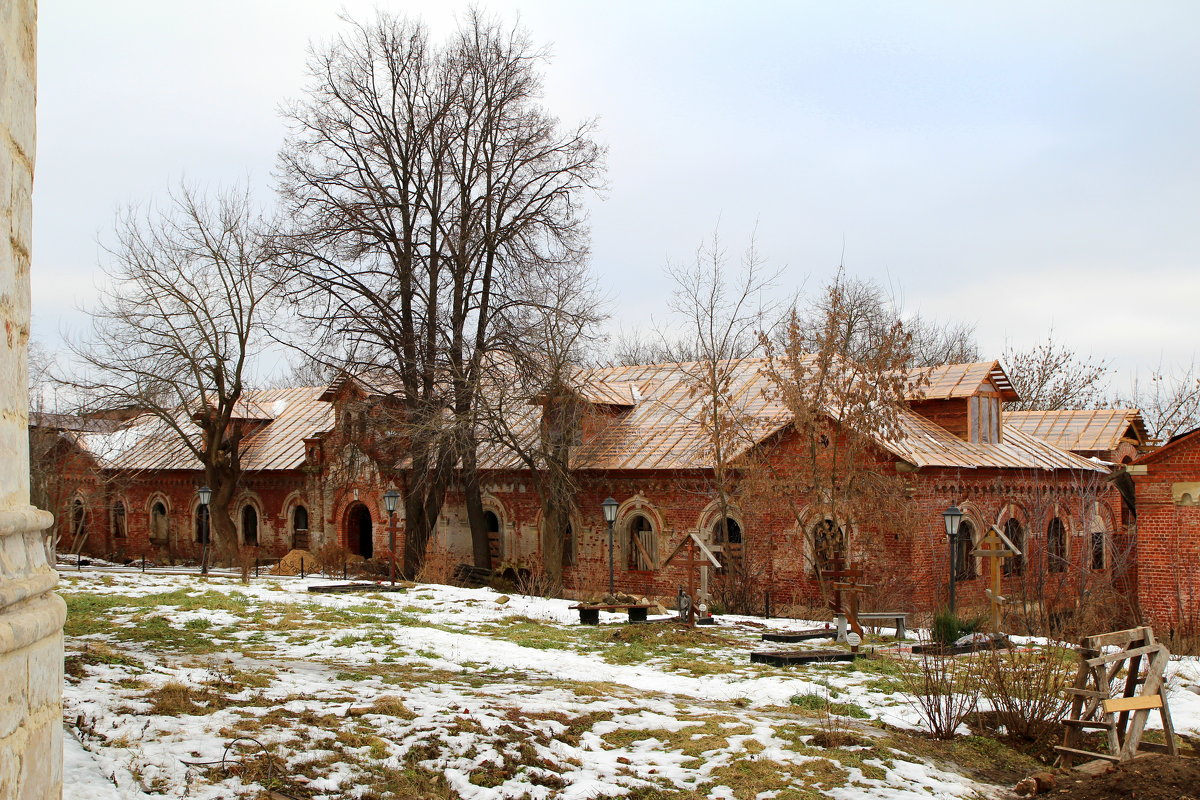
{"points": [[290, 564]]}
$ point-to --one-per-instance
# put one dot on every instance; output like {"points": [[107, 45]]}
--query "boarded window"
{"points": [[643, 549], [829, 545], [250, 525], [491, 521], [119, 528], [1056, 546], [1015, 565]]}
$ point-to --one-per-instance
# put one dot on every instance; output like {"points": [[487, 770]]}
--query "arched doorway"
{"points": [[491, 521], [359, 538]]}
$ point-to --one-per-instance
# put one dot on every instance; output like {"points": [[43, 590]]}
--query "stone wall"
{"points": [[31, 615]]}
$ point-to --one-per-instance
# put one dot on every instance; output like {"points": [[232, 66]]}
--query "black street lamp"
{"points": [[390, 497], [952, 516], [610, 516], [205, 495]]}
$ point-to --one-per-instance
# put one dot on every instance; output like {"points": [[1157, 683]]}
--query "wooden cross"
{"points": [[693, 564], [846, 580], [995, 547]]}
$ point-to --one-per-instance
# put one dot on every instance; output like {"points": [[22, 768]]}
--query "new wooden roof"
{"points": [[952, 381], [665, 429], [1090, 430]]}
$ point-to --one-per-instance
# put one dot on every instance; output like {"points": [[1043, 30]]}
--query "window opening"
{"points": [[158, 522], [119, 527], [249, 525], [203, 531], [1015, 565], [964, 543], [829, 545], [1056, 546], [642, 550]]}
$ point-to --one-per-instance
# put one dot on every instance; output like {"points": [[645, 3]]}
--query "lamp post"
{"points": [[952, 516], [389, 502], [205, 495], [610, 516]]}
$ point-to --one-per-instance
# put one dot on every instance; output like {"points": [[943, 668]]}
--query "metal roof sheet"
{"points": [[290, 416]]}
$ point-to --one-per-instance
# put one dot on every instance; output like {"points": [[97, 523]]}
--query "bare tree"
{"points": [[190, 290], [422, 179], [539, 412], [1051, 376], [842, 410], [1169, 400], [726, 317], [868, 313]]}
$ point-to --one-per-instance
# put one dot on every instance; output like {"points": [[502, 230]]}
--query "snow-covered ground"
{"points": [[449, 692]]}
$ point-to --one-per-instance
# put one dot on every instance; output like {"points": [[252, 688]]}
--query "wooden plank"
{"points": [[1115, 704], [1119, 638], [1088, 693], [1123, 654], [1085, 753]]}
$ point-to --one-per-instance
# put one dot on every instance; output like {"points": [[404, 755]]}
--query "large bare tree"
{"points": [[844, 403], [1169, 399], [190, 290], [422, 178]]}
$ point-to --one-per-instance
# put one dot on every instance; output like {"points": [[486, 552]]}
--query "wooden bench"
{"points": [[590, 615], [899, 620]]}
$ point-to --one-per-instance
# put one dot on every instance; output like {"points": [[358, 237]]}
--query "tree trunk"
{"points": [[480, 547], [555, 517]]}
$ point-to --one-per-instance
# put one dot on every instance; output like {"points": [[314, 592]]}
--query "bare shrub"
{"points": [[944, 690], [536, 582], [332, 557], [438, 568], [1027, 688]]}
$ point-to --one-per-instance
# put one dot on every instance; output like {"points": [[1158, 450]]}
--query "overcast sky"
{"points": [[1015, 165]]}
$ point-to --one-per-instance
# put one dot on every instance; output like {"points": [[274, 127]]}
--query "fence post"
{"points": [[767, 604], [301, 566], [143, 563]]}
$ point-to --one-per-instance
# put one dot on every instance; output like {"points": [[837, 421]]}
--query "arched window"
{"points": [[78, 518], [203, 532], [964, 543], [727, 534], [491, 523], [1015, 565], [249, 525], [1056, 546], [158, 522], [643, 548], [119, 527], [1097, 549], [829, 545], [569, 545]]}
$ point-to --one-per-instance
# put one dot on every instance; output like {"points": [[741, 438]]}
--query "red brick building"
{"points": [[310, 480], [1166, 485]]}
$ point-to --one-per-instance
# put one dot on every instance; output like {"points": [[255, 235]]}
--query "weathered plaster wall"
{"points": [[31, 615]]}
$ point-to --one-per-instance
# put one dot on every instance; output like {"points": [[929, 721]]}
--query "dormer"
{"points": [[588, 407], [965, 399]]}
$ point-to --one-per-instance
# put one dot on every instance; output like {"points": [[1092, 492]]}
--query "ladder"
{"points": [[1121, 717]]}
